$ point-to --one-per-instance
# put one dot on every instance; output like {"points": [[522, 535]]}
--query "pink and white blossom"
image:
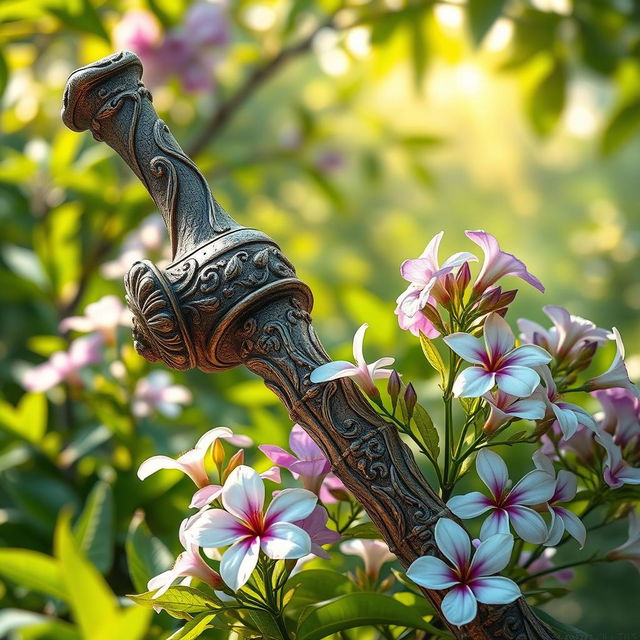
{"points": [[568, 337], [307, 462], [418, 322], [566, 486], [315, 524], [497, 362], [157, 392], [497, 263], [374, 554], [508, 507], [616, 375], [617, 471], [543, 563], [364, 374], [104, 316], [65, 366], [423, 274], [568, 416], [246, 528], [189, 564], [192, 462], [504, 407], [630, 550], [621, 416], [470, 580]]}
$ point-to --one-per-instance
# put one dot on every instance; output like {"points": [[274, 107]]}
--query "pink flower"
{"points": [[244, 526], [418, 322], [543, 563], [308, 462], [104, 316], [497, 263], [315, 524], [423, 274], [503, 407], [192, 462], [568, 416], [630, 550], [617, 471], [156, 392], [497, 363], [374, 554], [189, 564], [616, 375], [330, 486], [472, 580], [139, 31], [65, 365], [569, 337], [364, 374], [566, 486], [507, 506], [207, 25], [621, 416]]}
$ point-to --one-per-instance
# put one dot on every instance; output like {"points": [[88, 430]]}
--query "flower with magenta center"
{"points": [[364, 374], [498, 363], [508, 507], [246, 528], [503, 407], [498, 264], [470, 580]]}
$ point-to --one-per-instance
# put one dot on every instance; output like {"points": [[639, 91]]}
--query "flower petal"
{"points": [[492, 471], [517, 381], [243, 493], [497, 336], [473, 383], [528, 355], [432, 573], [459, 606], [285, 540], [215, 528], [566, 487], [492, 555], [155, 463], [536, 487], [358, 343], [453, 541], [572, 524], [556, 529], [239, 561], [333, 371], [496, 590], [291, 505], [567, 420], [301, 443], [212, 435], [468, 347], [469, 505], [205, 496], [496, 522], [278, 455], [528, 524]]}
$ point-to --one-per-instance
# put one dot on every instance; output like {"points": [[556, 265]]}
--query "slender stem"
{"points": [[592, 560]]}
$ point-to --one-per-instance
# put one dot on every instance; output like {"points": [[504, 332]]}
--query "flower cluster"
{"points": [[190, 51]]}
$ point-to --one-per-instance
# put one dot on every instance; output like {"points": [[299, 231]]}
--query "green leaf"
{"points": [[547, 99], [624, 124], [565, 630], [80, 15], [94, 530], [28, 420], [482, 14], [266, 623], [419, 52], [35, 626], [133, 623], [33, 570], [427, 432], [433, 356], [317, 585], [365, 530], [357, 610], [194, 628], [179, 598], [92, 603], [4, 74], [147, 556]]}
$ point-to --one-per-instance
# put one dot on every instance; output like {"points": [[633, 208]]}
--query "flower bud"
{"points": [[235, 461], [393, 388], [218, 454], [410, 399]]}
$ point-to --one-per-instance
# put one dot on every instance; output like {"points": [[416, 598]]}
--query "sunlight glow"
{"points": [[500, 35], [449, 16]]}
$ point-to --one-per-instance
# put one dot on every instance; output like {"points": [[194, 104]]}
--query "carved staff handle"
{"points": [[231, 297]]}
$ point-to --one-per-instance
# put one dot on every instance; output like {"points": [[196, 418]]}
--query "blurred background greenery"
{"points": [[351, 132]]}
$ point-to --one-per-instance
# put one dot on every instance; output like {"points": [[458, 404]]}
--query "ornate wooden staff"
{"points": [[231, 297]]}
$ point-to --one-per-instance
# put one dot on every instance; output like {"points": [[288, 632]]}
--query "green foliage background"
{"points": [[436, 125]]}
